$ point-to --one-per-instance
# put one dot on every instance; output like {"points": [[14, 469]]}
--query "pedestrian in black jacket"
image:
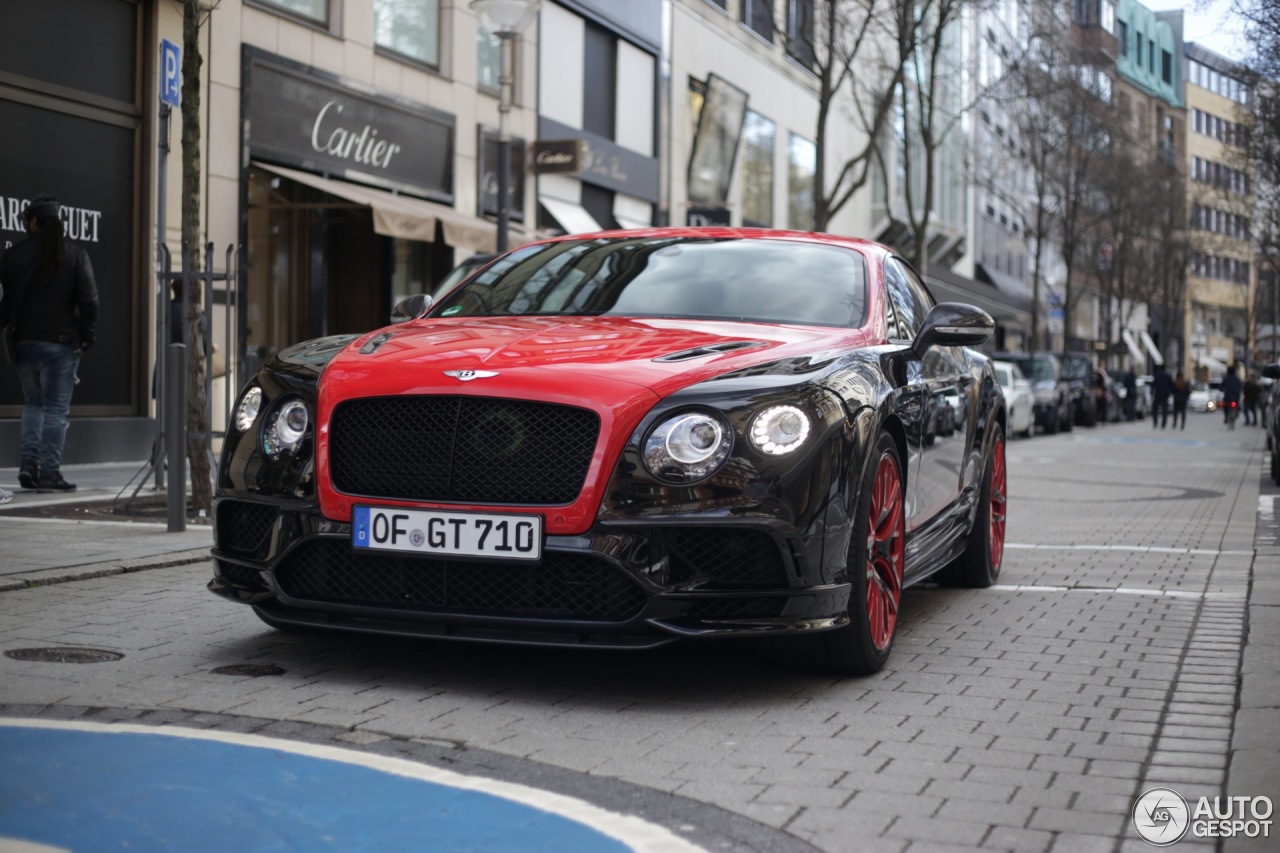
{"points": [[52, 303], [1161, 390]]}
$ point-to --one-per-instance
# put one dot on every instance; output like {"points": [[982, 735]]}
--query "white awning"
{"points": [[402, 216], [632, 212], [1216, 368], [1131, 342], [1151, 347], [573, 218]]}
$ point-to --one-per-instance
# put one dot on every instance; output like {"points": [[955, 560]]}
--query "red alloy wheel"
{"points": [[886, 542], [999, 504]]}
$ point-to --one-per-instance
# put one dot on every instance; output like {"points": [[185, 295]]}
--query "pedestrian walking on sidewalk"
{"points": [[1161, 390], [1130, 394], [1250, 393], [53, 310], [1181, 394], [1231, 390]]}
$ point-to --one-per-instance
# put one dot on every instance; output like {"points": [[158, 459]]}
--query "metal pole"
{"points": [[176, 439], [504, 139], [162, 288]]}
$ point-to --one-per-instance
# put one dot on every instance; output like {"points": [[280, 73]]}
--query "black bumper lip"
{"points": [[669, 610]]}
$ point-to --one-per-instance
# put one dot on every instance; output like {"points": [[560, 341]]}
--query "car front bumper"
{"points": [[622, 585]]}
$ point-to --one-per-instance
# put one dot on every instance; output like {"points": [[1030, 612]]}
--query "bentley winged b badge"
{"points": [[468, 375]]}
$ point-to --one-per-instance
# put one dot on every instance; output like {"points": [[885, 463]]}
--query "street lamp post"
{"points": [[505, 19]]}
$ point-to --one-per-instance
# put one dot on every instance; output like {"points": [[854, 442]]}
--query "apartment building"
{"points": [[1222, 275]]}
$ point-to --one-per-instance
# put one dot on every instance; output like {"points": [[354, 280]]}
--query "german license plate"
{"points": [[498, 536]]}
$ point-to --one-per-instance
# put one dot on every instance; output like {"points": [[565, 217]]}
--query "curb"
{"points": [[48, 577]]}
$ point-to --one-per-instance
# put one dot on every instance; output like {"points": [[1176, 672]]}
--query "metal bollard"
{"points": [[175, 400]]}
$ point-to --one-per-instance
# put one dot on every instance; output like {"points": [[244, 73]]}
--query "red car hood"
{"points": [[573, 350], [611, 365]]}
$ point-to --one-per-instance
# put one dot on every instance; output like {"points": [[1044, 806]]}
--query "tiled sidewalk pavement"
{"points": [[1023, 718]]}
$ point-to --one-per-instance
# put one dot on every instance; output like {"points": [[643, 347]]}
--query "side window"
{"points": [[923, 298], [906, 303]]}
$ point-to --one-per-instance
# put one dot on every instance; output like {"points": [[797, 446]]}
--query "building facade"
{"points": [[1222, 276]]}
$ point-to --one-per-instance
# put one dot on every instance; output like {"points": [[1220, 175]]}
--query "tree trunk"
{"points": [[197, 425]]}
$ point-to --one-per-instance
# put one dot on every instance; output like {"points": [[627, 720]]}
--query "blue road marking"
{"points": [[104, 789]]}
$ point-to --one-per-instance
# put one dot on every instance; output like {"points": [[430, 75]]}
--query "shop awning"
{"points": [[1216, 368], [1132, 344], [573, 218], [402, 216], [1151, 346]]}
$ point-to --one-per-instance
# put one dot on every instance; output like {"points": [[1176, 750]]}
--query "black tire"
{"points": [[852, 649], [978, 566], [1052, 424], [1069, 422], [1275, 466]]}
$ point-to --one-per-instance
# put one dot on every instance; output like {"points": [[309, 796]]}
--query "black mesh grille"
{"points": [[563, 586], [243, 526], [461, 449], [728, 556]]}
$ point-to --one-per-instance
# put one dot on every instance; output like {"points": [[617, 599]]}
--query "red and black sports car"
{"points": [[623, 439]]}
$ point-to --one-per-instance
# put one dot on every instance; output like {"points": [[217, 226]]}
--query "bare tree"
{"points": [[859, 68], [197, 424]]}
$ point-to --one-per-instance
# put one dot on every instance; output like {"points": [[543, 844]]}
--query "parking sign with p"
{"points": [[170, 73]]}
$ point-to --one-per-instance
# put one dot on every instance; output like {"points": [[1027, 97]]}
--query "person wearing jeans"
{"points": [[52, 306], [47, 372]]}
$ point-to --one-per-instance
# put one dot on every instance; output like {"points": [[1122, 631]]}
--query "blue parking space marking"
{"points": [[87, 787]]}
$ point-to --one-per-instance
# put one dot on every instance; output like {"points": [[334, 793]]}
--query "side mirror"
{"points": [[411, 308], [953, 324]]}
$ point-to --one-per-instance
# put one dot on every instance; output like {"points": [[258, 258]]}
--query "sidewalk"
{"points": [[35, 551]]}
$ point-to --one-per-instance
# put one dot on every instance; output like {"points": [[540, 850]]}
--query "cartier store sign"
{"points": [[313, 120], [558, 156]]}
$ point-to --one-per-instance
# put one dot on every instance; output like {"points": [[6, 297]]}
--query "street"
{"points": [[1027, 717]]}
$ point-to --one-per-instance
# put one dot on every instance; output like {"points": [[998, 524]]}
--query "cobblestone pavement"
{"points": [[1027, 717]]}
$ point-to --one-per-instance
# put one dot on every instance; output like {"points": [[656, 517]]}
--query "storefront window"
{"points": [[757, 170], [314, 10], [802, 163], [409, 27]]}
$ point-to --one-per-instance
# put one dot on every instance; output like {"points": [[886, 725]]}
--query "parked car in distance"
{"points": [[1272, 372], [461, 272], [1202, 399], [1078, 371], [1054, 410], [625, 439], [1141, 396], [1020, 400]]}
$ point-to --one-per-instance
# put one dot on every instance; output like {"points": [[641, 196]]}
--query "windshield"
{"points": [[1076, 368], [1004, 375], [770, 281], [1036, 369]]}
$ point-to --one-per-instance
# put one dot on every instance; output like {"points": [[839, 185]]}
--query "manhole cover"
{"points": [[63, 655], [253, 670]]}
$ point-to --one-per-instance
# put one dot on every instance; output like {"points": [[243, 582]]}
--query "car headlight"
{"points": [[779, 430], [247, 411], [687, 447], [286, 428]]}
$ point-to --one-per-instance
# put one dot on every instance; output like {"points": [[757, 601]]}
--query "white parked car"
{"points": [[1202, 399], [1019, 399]]}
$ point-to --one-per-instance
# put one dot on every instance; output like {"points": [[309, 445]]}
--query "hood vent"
{"points": [[709, 349]]}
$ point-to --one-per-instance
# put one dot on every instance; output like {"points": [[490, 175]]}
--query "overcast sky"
{"points": [[1208, 23]]}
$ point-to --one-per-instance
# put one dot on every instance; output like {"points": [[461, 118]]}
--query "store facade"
{"points": [[347, 204], [74, 128]]}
